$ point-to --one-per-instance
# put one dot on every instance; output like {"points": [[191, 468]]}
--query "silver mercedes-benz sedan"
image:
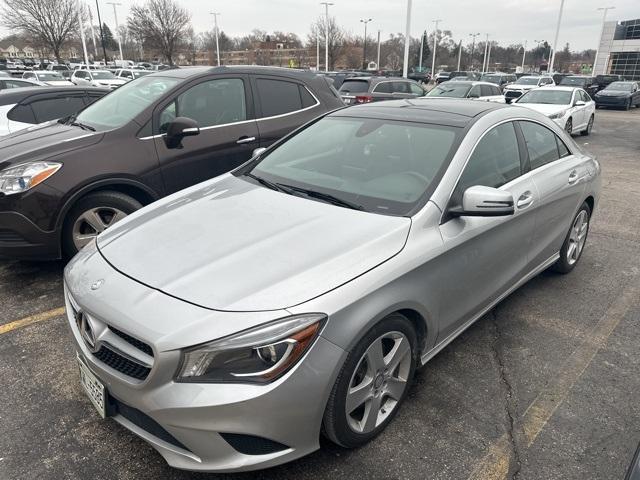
{"points": [[230, 324]]}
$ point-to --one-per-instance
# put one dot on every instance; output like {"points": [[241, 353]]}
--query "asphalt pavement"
{"points": [[543, 387]]}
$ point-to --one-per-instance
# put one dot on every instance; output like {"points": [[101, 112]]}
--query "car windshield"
{"points": [[102, 75], [139, 73], [491, 78], [620, 86], [383, 166], [448, 89], [551, 97], [527, 81], [354, 86], [574, 81], [49, 77], [123, 104]]}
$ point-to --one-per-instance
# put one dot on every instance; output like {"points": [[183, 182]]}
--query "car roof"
{"points": [[471, 83], [48, 72], [188, 72], [438, 111], [561, 88], [16, 95]]}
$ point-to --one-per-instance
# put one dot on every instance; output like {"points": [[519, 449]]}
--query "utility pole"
{"points": [[104, 50], [215, 29], [473, 46], [407, 34], [317, 52], [378, 57], [459, 54], [93, 35], [424, 34], [595, 59], [435, 46], [555, 39], [326, 34], [364, 48], [84, 43], [524, 53], [489, 55], [484, 59], [115, 16]]}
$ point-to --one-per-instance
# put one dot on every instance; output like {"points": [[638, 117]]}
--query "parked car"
{"points": [[442, 77], [619, 94], [96, 78], [604, 80], [7, 83], [5, 74], [524, 84], [47, 77], [463, 89], [587, 83], [374, 89], [130, 73], [500, 79], [465, 74], [57, 67], [420, 76], [311, 282], [571, 108], [21, 108], [149, 138]]}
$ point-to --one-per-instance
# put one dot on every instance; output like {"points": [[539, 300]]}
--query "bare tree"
{"points": [[50, 22], [162, 24], [336, 38]]}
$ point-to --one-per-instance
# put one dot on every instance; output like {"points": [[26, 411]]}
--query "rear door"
{"points": [[560, 180], [223, 107], [282, 105]]}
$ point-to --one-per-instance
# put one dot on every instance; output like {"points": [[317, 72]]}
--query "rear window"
{"points": [[22, 114], [575, 81], [54, 108], [354, 86], [278, 97]]}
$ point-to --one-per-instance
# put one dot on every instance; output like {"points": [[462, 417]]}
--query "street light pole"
{"points": [[407, 34], [378, 57], [104, 50], [595, 59], [93, 35], [424, 34], [473, 46], [84, 43], [524, 53], [215, 28], [555, 39], [364, 48], [326, 34], [435, 46], [489, 55], [317, 52], [484, 59], [115, 16], [459, 54]]}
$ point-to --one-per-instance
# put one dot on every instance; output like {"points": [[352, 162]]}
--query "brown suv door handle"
{"points": [[246, 139]]}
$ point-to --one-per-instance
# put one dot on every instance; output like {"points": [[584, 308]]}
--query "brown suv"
{"points": [[373, 89], [63, 183]]}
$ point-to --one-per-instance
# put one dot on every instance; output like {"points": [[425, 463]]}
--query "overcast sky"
{"points": [[506, 21]]}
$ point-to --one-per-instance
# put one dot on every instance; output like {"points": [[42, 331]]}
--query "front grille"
{"points": [[9, 236], [252, 445], [512, 94], [139, 344], [142, 421], [121, 364]]}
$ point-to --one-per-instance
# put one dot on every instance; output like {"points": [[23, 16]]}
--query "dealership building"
{"points": [[619, 50]]}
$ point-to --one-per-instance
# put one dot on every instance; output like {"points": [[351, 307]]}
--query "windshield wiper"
{"points": [[273, 186], [326, 197], [71, 120]]}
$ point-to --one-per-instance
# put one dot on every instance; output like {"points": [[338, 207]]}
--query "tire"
{"points": [[568, 258], [627, 107], [103, 209], [384, 388], [587, 130], [568, 127]]}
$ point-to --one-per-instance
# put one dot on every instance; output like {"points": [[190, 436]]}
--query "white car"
{"points": [[96, 78], [483, 91], [570, 107], [129, 74], [524, 84], [47, 77]]}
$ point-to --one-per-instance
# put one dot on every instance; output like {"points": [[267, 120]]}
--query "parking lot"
{"points": [[543, 387]]}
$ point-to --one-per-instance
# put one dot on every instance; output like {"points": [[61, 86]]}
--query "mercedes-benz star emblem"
{"points": [[86, 332]]}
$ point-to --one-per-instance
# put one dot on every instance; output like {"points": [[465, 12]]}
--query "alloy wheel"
{"points": [[569, 126], [378, 382], [577, 237], [93, 222]]}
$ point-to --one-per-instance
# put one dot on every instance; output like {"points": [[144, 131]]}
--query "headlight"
{"points": [[24, 177], [560, 114], [257, 355]]}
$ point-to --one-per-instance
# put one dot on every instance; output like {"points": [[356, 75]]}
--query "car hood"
{"points": [[521, 88], [230, 245], [612, 93], [544, 108], [42, 142], [59, 83]]}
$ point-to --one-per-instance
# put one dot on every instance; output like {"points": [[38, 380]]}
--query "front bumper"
{"points": [[20, 238], [611, 101], [198, 426]]}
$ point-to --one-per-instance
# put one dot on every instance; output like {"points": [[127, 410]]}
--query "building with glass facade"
{"points": [[619, 50]]}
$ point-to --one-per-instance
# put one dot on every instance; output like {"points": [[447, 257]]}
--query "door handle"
{"points": [[525, 200], [573, 177], [242, 140]]}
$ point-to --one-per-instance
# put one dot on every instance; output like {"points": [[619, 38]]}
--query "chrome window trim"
{"points": [[250, 120]]}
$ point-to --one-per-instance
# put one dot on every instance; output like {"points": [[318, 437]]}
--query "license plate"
{"points": [[93, 388]]}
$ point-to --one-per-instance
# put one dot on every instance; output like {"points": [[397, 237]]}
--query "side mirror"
{"points": [[579, 103], [179, 128], [479, 201], [257, 152]]}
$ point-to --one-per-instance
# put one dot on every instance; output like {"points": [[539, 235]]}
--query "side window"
{"points": [[562, 148], [416, 90], [586, 97], [384, 87], [486, 91], [22, 113], [494, 162], [53, 108], [80, 74], [216, 102], [401, 87], [496, 91], [167, 116], [126, 74], [278, 97], [541, 144], [307, 98], [17, 84], [474, 92]]}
